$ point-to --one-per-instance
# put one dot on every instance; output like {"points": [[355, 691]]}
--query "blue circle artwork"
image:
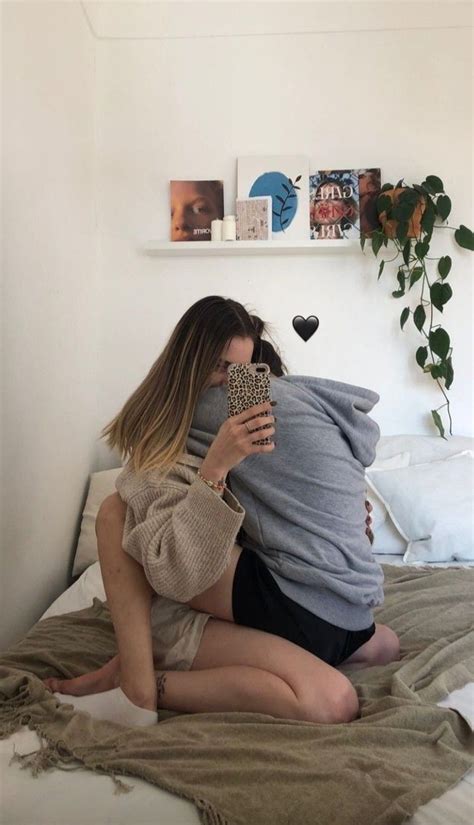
{"points": [[284, 198]]}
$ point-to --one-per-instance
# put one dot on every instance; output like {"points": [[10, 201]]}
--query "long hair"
{"points": [[153, 425]]}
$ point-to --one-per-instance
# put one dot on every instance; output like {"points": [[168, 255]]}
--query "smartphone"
{"points": [[247, 385]]}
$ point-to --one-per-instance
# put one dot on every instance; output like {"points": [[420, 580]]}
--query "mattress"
{"points": [[68, 797]]}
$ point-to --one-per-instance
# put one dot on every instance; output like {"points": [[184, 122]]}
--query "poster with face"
{"points": [[194, 205], [334, 204], [285, 179]]}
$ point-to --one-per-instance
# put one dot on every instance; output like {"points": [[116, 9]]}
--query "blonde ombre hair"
{"points": [[152, 427]]}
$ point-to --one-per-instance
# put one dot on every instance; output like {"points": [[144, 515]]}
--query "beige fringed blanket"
{"points": [[241, 768]]}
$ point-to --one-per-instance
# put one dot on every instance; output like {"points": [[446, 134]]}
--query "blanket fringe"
{"points": [[51, 755], [208, 814]]}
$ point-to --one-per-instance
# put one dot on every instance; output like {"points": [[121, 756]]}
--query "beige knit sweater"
{"points": [[178, 529]]}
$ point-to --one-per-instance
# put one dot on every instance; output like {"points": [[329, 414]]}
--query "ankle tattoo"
{"points": [[160, 684]]}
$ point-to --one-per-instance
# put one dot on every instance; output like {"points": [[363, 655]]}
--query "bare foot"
{"points": [[98, 681], [105, 678]]}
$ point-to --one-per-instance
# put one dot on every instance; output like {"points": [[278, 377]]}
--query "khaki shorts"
{"points": [[177, 631]]}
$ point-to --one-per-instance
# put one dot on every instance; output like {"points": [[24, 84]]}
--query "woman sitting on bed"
{"points": [[259, 624]]}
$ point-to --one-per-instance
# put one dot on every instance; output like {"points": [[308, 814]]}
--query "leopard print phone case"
{"points": [[248, 384]]}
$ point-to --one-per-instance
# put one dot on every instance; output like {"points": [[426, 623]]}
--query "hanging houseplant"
{"points": [[407, 216]]}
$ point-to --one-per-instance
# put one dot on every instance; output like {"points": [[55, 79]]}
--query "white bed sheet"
{"points": [[73, 798]]}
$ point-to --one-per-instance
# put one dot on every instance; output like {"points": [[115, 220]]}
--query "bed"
{"points": [[64, 792]]}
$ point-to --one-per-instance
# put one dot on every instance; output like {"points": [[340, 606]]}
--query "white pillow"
{"points": [[423, 448], [102, 484], [432, 505], [80, 594], [387, 539]]}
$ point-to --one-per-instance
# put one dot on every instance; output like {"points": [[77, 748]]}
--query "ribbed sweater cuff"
{"points": [[224, 513]]}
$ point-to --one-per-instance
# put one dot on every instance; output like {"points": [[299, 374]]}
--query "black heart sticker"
{"points": [[305, 327]]}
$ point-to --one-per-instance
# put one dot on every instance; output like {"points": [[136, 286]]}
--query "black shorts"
{"points": [[258, 602]]}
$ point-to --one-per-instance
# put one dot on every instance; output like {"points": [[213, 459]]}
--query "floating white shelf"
{"points": [[246, 247]]}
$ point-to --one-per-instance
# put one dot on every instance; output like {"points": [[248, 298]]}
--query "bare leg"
{"points": [[129, 599]]}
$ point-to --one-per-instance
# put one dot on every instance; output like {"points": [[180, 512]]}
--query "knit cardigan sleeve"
{"points": [[184, 542]]}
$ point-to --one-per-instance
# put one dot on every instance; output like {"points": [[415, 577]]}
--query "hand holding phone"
{"points": [[249, 412]]}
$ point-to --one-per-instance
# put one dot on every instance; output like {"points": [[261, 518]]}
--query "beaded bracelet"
{"points": [[220, 485]]}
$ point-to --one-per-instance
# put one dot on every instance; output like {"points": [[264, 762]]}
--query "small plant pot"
{"points": [[414, 224]]}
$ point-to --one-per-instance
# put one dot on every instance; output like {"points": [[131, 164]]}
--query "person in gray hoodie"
{"points": [[305, 501]]}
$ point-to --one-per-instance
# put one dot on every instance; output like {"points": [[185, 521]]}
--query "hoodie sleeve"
{"points": [[348, 406]]}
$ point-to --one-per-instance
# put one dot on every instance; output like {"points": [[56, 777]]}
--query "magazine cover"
{"points": [[369, 190], [254, 219], [194, 205], [334, 204], [285, 179]]}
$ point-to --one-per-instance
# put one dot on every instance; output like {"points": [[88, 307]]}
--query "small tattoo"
{"points": [[160, 684]]}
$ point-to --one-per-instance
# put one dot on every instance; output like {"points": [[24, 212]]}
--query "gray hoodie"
{"points": [[304, 501]]}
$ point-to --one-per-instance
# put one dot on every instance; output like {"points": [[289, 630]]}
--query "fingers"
{"points": [[257, 409]]}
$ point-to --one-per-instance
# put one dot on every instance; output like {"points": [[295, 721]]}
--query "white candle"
{"points": [[229, 228], [216, 230]]}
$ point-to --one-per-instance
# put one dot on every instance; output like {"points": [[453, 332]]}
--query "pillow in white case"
{"points": [[432, 505], [102, 484], [387, 539]]}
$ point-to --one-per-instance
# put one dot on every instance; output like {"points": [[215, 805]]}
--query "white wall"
{"points": [[181, 90], [370, 84], [50, 301]]}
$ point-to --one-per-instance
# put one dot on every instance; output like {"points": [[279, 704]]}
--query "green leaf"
{"points": [[402, 211], [464, 237], [444, 266], [421, 249], [428, 219], [401, 278], [449, 372], [438, 422], [399, 184], [435, 183], [421, 356], [443, 206], [401, 231], [404, 316], [409, 196], [382, 264], [376, 242], [440, 294], [406, 252], [362, 242], [443, 369], [428, 188], [439, 342], [383, 203], [419, 189], [398, 293], [415, 276], [386, 187], [419, 316], [436, 371]]}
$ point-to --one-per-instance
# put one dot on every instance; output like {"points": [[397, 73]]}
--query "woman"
{"points": [[173, 529]]}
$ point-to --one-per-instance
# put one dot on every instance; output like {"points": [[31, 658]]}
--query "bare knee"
{"points": [[333, 706], [389, 647], [112, 508]]}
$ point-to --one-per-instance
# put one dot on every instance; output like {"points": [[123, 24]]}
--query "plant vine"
{"points": [[407, 218]]}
